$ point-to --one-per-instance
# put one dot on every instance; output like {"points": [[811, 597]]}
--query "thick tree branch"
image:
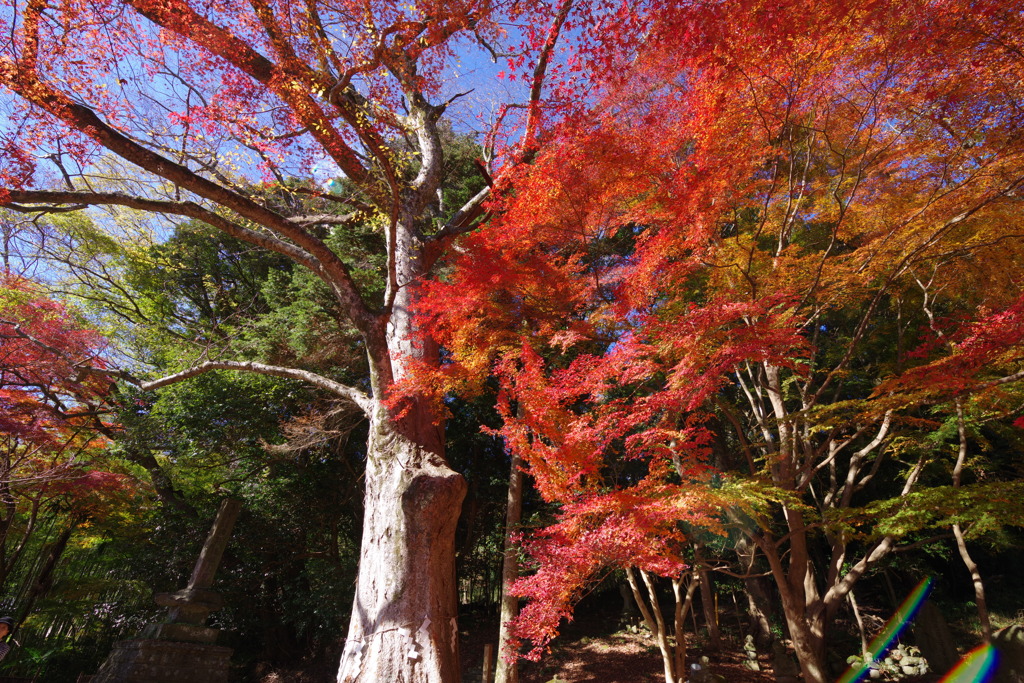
{"points": [[465, 219], [354, 395], [81, 118], [189, 209]]}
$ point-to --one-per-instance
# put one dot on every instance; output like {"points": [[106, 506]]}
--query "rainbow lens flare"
{"points": [[977, 666], [903, 615]]}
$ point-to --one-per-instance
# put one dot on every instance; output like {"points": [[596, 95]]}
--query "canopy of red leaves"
{"points": [[614, 293]]}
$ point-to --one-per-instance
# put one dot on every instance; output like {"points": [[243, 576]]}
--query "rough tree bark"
{"points": [[404, 623]]}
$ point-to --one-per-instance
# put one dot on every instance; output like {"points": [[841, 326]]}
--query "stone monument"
{"points": [[785, 669], [1010, 644], [750, 652], [700, 672], [182, 647], [935, 639]]}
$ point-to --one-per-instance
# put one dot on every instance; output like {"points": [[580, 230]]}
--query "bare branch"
{"points": [[80, 200], [996, 382], [328, 219], [539, 73], [20, 208]]}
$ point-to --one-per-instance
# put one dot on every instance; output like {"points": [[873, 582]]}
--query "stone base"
{"points": [[184, 633], [163, 661], [1009, 642]]}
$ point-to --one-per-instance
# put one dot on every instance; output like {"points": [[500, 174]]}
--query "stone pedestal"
{"points": [[185, 633], [189, 606], [164, 661]]}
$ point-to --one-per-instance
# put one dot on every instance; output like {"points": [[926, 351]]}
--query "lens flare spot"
{"points": [[977, 666], [899, 620]]}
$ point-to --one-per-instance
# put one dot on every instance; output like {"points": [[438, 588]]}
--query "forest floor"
{"points": [[588, 650], [592, 649], [585, 652]]}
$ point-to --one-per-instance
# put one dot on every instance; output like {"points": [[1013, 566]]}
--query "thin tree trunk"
{"points": [[860, 624], [654, 620], [683, 606], [662, 634], [958, 534], [679, 655], [761, 627], [43, 580], [707, 604], [979, 585], [757, 600], [508, 666]]}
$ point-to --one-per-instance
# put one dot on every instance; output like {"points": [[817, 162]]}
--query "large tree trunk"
{"points": [[808, 646], [807, 638], [403, 625]]}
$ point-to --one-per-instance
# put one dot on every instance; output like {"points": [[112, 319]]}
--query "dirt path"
{"points": [[629, 658]]}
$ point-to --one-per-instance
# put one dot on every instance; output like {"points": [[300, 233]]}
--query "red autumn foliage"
{"points": [[726, 202], [52, 367], [53, 389], [980, 350], [739, 201]]}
